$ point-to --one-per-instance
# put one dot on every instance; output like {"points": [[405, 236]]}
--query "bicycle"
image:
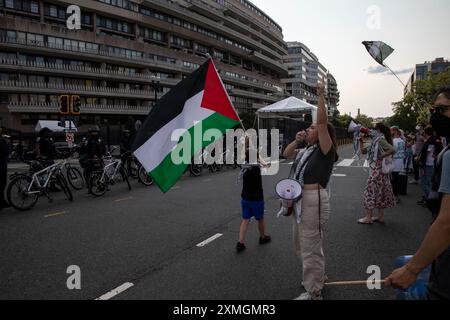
{"points": [[142, 175], [113, 171], [74, 177], [29, 186]]}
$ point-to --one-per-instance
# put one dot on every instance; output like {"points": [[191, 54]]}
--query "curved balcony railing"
{"points": [[177, 8], [256, 95], [45, 66], [7, 85], [85, 108], [178, 65], [82, 69]]}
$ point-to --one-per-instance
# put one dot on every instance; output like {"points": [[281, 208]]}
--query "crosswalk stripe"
{"points": [[345, 163], [366, 164]]}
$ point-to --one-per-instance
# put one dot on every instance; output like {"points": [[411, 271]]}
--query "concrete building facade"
{"points": [[422, 70], [305, 72], [129, 53]]}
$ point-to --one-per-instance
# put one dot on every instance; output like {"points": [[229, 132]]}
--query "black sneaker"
{"points": [[265, 240], [240, 247]]}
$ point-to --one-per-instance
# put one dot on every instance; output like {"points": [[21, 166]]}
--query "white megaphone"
{"points": [[289, 191], [353, 127]]}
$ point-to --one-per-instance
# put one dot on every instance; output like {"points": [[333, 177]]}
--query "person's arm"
{"points": [[436, 241], [292, 149], [322, 122], [386, 148]]}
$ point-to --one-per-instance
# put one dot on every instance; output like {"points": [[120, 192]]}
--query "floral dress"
{"points": [[379, 193]]}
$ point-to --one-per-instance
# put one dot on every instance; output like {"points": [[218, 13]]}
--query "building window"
{"points": [[21, 5]]}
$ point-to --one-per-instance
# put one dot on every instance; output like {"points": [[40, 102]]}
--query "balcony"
{"points": [[231, 8], [85, 109], [189, 15], [107, 56], [205, 9], [15, 65], [255, 95], [272, 64], [248, 83], [57, 88]]}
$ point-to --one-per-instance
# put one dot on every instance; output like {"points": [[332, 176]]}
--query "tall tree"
{"points": [[414, 108]]}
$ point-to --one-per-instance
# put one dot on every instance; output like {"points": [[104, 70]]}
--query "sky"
{"points": [[418, 30]]}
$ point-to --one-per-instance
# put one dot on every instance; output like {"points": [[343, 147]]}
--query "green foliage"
{"points": [[364, 120], [343, 121], [414, 108]]}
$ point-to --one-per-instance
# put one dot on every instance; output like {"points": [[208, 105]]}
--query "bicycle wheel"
{"points": [[124, 175], [195, 169], [62, 182], [144, 177], [98, 187], [134, 169], [75, 178], [18, 196]]}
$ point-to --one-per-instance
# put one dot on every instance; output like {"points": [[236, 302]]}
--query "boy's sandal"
{"points": [[365, 221]]}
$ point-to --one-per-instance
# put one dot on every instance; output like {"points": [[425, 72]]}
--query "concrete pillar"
{"points": [[41, 10]]}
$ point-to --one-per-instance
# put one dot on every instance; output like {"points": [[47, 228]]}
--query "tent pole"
{"points": [[258, 120]]}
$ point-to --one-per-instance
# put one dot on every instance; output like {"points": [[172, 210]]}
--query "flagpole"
{"points": [[404, 88], [208, 56]]}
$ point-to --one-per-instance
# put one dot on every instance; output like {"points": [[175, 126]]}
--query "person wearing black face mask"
{"points": [[435, 248]]}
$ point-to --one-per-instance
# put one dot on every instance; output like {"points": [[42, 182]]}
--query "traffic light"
{"points": [[64, 102], [76, 105]]}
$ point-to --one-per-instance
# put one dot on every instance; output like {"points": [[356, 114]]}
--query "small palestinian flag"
{"points": [[199, 101], [378, 50]]}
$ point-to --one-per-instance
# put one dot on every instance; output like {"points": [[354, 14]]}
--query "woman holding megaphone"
{"points": [[312, 169]]}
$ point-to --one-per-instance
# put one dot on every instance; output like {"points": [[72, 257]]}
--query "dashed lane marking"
{"points": [[123, 199], [116, 291], [209, 240], [55, 214]]}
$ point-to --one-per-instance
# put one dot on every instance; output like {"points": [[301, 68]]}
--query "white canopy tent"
{"points": [[288, 107], [53, 125]]}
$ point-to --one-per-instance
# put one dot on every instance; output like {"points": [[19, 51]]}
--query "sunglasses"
{"points": [[439, 108]]}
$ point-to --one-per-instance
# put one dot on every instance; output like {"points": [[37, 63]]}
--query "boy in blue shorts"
{"points": [[252, 202]]}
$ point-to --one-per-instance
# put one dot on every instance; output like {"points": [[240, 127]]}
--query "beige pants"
{"points": [[308, 240]]}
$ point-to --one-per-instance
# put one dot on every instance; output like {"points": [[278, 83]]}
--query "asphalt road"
{"points": [[150, 240]]}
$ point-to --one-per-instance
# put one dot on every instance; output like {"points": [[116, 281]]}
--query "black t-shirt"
{"points": [[320, 167], [252, 187], [95, 147]]}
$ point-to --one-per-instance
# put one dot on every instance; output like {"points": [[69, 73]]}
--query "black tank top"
{"points": [[319, 167], [252, 189]]}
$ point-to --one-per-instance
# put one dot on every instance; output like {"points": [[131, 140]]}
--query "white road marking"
{"points": [[209, 240], [116, 291], [366, 164], [207, 180], [55, 214], [345, 163], [339, 175], [123, 199]]}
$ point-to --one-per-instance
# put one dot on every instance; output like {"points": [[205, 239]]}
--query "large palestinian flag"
{"points": [[198, 101], [378, 50]]}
